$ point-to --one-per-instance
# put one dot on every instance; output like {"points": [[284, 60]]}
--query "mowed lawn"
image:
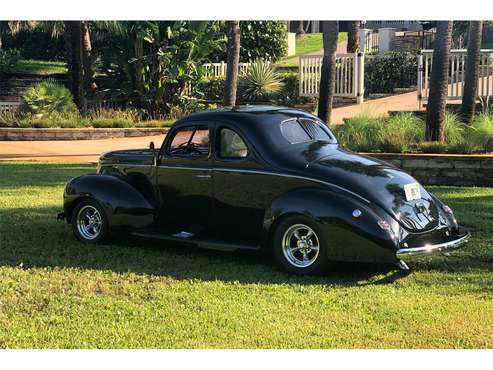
{"points": [[56, 292]]}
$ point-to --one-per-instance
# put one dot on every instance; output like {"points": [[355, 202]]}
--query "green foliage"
{"points": [[288, 95], [433, 147], [263, 40], [211, 88], [47, 97], [481, 132], [260, 82], [360, 133], [400, 132], [36, 43], [386, 71], [454, 128], [186, 106], [8, 60]]}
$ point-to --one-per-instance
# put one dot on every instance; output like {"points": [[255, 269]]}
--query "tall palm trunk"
{"points": [[301, 29], [435, 111], [472, 71], [233, 61], [88, 60], [327, 77], [138, 45], [75, 64], [353, 37]]}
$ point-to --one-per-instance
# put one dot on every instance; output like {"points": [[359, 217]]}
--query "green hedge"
{"points": [[386, 71]]}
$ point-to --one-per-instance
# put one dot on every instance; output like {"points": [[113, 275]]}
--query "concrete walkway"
{"points": [[90, 150]]}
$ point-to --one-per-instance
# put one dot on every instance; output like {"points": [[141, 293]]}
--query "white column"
{"points": [[364, 33], [386, 38], [291, 44]]}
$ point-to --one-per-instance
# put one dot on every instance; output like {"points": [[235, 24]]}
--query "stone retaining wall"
{"points": [[439, 169], [30, 134]]}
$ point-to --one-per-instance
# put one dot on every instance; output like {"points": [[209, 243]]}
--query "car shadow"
{"points": [[32, 237]]}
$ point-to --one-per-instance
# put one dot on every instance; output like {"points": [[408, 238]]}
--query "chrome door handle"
{"points": [[203, 176]]}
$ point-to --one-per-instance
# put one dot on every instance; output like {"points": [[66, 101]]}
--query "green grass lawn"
{"points": [[41, 67], [487, 45], [56, 292]]}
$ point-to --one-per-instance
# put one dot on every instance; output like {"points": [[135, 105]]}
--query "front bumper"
{"points": [[409, 254]]}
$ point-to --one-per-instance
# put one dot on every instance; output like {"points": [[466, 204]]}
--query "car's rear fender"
{"points": [[123, 203], [351, 238]]}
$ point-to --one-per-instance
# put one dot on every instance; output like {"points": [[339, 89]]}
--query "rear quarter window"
{"points": [[293, 132]]}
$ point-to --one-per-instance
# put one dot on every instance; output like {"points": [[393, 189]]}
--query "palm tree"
{"points": [[435, 111], [73, 34], [233, 61], [353, 37], [88, 59], [472, 71], [327, 77], [300, 29]]}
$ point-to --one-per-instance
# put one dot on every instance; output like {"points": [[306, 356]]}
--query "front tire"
{"points": [[90, 222], [299, 246]]}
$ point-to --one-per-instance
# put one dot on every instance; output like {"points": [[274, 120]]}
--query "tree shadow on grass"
{"points": [[32, 237]]}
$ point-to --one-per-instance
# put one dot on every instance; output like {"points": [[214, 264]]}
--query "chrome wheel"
{"points": [[89, 222], [300, 245]]}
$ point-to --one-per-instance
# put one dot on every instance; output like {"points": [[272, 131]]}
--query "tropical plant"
{"points": [[480, 132], [260, 82], [453, 128], [47, 97], [472, 71], [435, 111], [233, 60], [8, 60], [327, 76]]}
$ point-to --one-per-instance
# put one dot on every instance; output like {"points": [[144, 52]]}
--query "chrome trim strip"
{"points": [[433, 248], [254, 172]]}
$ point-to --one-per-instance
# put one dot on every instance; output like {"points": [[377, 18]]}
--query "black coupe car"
{"points": [[262, 177]]}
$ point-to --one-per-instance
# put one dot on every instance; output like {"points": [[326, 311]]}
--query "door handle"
{"points": [[203, 176]]}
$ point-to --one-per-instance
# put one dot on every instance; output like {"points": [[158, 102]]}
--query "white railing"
{"points": [[457, 68], [219, 69], [8, 106], [349, 76], [369, 40]]}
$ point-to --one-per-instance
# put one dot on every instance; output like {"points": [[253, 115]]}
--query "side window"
{"points": [[315, 130], [192, 141], [231, 145]]}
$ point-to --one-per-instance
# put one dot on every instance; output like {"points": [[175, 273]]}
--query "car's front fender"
{"points": [[123, 203]]}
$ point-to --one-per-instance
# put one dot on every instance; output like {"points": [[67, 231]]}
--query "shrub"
{"points": [[360, 133], [480, 133], [453, 128], [187, 106], [260, 82], [289, 93], [401, 132], [47, 97], [386, 71], [8, 60], [211, 89]]}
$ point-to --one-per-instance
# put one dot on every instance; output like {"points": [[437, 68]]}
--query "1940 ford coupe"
{"points": [[262, 177]]}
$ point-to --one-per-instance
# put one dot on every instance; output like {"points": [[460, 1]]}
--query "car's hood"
{"points": [[378, 182], [129, 156]]}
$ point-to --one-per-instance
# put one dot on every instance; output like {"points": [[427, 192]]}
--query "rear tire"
{"points": [[300, 246], [90, 222]]}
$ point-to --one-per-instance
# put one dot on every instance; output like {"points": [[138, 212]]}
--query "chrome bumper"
{"points": [[407, 254]]}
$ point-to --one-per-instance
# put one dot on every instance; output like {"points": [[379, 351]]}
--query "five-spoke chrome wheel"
{"points": [[300, 245], [89, 222]]}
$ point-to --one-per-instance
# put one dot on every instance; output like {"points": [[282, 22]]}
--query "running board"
{"points": [[191, 239]]}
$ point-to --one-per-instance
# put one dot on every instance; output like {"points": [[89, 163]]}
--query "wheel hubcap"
{"points": [[300, 245], [89, 222]]}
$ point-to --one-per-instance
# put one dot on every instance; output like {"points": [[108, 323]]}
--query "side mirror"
{"points": [[151, 145]]}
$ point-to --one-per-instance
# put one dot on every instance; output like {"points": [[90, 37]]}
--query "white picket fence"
{"points": [[8, 106], [457, 68], [349, 75], [219, 69]]}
